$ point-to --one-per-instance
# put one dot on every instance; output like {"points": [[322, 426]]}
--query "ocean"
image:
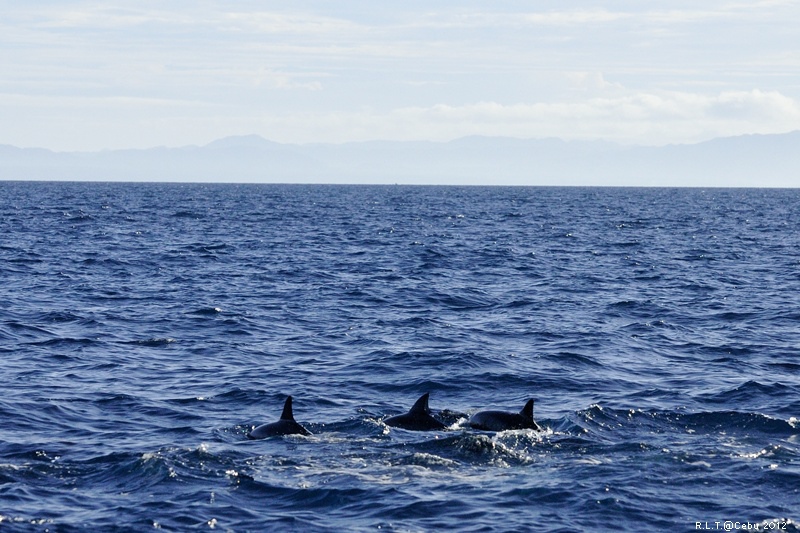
{"points": [[145, 329]]}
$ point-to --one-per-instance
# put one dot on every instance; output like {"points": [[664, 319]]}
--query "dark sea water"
{"points": [[146, 328]]}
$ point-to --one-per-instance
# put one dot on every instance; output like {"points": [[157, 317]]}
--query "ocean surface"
{"points": [[146, 328]]}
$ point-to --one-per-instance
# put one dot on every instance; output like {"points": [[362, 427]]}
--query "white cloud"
{"points": [[755, 106], [652, 118], [307, 24], [646, 118], [283, 80], [584, 18], [590, 81], [96, 17]]}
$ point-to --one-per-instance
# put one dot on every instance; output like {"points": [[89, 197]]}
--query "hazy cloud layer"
{"points": [[84, 75]]}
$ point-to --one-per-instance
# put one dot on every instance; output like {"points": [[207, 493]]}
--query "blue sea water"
{"points": [[146, 328]]}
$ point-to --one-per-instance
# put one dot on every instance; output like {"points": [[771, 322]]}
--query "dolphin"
{"points": [[285, 426], [418, 418], [503, 420]]}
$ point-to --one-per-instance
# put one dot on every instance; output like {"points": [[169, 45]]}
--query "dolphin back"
{"points": [[418, 418], [285, 426], [503, 420]]}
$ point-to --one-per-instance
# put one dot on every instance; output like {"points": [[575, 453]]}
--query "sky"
{"points": [[93, 75]]}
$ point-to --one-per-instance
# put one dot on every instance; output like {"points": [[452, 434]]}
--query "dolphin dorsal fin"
{"points": [[421, 405], [287, 410], [527, 411]]}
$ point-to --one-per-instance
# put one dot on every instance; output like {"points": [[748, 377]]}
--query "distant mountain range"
{"points": [[744, 161]]}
